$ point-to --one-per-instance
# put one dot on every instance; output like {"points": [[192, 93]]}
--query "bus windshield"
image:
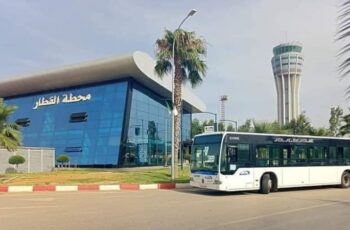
{"points": [[205, 153]]}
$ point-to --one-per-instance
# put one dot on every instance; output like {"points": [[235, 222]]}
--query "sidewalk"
{"points": [[91, 187]]}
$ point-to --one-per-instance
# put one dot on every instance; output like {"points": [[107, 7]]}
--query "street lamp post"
{"points": [[216, 125], [191, 13], [233, 122]]}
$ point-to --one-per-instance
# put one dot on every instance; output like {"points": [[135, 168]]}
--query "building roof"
{"points": [[139, 66]]}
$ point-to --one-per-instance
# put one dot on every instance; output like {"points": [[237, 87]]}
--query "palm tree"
{"points": [[299, 126], [345, 129], [10, 134], [267, 127], [187, 60], [343, 34]]}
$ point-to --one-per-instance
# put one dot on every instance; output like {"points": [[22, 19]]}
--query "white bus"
{"points": [[249, 161]]}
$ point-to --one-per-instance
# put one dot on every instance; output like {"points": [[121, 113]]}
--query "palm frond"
{"points": [[163, 67], [10, 133], [184, 75], [343, 33], [343, 50], [195, 78]]}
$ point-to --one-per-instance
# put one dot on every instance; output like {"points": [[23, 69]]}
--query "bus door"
{"points": [[290, 168], [238, 163], [285, 155], [276, 156]]}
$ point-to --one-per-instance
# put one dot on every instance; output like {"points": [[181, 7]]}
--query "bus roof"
{"points": [[274, 134]]}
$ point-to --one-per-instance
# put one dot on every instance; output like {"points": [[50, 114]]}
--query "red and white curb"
{"points": [[90, 187]]}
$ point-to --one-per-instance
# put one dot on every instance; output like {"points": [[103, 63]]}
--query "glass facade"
{"points": [[149, 131], [94, 140], [113, 124], [287, 48]]}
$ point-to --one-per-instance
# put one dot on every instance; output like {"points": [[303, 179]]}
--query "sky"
{"points": [[240, 35]]}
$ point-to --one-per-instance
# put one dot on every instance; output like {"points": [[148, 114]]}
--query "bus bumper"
{"points": [[207, 182]]}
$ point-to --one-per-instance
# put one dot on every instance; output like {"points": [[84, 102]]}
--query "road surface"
{"points": [[323, 208]]}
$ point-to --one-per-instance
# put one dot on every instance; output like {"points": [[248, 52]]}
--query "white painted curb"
{"points": [[20, 188], [75, 188], [67, 188], [109, 187], [148, 186]]}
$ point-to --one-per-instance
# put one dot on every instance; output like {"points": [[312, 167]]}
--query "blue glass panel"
{"points": [[149, 132], [50, 124]]}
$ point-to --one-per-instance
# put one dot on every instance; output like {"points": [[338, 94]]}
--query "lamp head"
{"points": [[192, 12]]}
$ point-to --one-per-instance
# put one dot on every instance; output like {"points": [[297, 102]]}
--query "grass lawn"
{"points": [[94, 176]]}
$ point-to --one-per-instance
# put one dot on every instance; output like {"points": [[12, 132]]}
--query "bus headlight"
{"points": [[217, 182]]}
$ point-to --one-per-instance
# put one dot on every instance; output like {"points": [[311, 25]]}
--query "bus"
{"points": [[233, 161]]}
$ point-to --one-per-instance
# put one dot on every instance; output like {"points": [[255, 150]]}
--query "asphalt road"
{"points": [[325, 208]]}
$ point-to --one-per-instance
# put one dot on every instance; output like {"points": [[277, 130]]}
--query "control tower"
{"points": [[287, 63]]}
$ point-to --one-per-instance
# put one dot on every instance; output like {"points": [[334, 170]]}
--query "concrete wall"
{"points": [[37, 159]]}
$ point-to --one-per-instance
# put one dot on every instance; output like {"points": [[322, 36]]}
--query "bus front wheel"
{"points": [[266, 184], [345, 180]]}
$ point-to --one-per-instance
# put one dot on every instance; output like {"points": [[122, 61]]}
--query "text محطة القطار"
{"points": [[67, 98]]}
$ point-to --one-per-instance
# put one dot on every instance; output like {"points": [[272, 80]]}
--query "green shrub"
{"points": [[16, 160], [63, 158]]}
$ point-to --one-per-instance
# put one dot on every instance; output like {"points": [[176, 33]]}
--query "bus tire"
{"points": [[266, 184], [345, 180]]}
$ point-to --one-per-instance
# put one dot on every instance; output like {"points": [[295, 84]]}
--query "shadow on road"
{"points": [[207, 192], [308, 188]]}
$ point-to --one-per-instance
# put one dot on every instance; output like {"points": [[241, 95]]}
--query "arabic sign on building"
{"points": [[66, 98]]}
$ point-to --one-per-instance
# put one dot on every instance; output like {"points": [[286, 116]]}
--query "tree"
{"points": [[16, 160], [187, 61], [63, 159], [208, 123], [319, 132], [248, 126], [230, 128], [299, 126], [267, 127], [10, 134], [335, 121], [197, 127], [221, 126], [345, 129]]}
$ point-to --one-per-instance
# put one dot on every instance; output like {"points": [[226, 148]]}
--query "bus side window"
{"points": [[262, 156], [347, 155], [340, 155], [332, 156], [275, 156], [300, 154]]}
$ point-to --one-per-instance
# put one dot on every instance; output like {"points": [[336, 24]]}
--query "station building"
{"points": [[105, 113]]}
